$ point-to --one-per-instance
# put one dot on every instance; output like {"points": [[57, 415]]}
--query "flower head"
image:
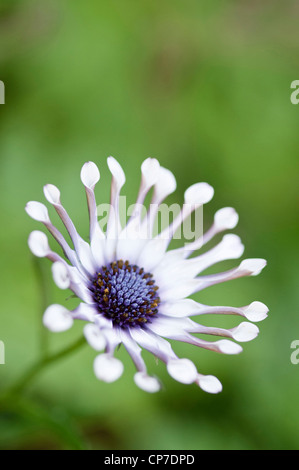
{"points": [[133, 289]]}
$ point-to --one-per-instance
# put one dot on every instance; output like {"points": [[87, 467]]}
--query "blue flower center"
{"points": [[126, 294]]}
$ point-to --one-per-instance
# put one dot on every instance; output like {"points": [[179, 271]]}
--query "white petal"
{"points": [[133, 349], [94, 337], [52, 194], [153, 343], [129, 249], [112, 335], [114, 226], [223, 346], [165, 185], [37, 211], [116, 171], [254, 266], [82, 291], [152, 254], [70, 254], [85, 312], [103, 322], [108, 368], [195, 196], [209, 383], [168, 327], [90, 174], [146, 382], [180, 308], [230, 247], [198, 194], [248, 267], [228, 347], [256, 311], [142, 379], [97, 246], [150, 170], [57, 318], [245, 332], [61, 275], [179, 290], [82, 248], [226, 219], [171, 258], [97, 237], [38, 243], [182, 370], [84, 253]]}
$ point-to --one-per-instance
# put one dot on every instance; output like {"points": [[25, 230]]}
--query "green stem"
{"points": [[40, 365]]}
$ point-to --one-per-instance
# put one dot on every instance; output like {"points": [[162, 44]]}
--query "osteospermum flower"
{"points": [[133, 290]]}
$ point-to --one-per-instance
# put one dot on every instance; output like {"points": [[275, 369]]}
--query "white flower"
{"points": [[133, 291]]}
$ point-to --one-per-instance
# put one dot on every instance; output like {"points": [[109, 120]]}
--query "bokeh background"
{"points": [[204, 86]]}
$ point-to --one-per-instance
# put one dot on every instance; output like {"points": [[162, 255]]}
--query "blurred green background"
{"points": [[204, 86]]}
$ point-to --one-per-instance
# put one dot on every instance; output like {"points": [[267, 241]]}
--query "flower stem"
{"points": [[41, 365]]}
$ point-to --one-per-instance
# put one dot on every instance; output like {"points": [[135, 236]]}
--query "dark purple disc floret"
{"points": [[126, 294]]}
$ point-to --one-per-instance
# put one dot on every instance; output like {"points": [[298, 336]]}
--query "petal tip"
{"points": [[209, 384], [108, 368], [57, 318], [37, 211], [52, 194], [38, 243], [150, 170], [253, 265], [226, 218], [229, 347], [94, 337], [182, 370], [245, 332], [60, 275], [256, 311], [116, 171], [199, 193], [147, 383], [90, 174]]}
